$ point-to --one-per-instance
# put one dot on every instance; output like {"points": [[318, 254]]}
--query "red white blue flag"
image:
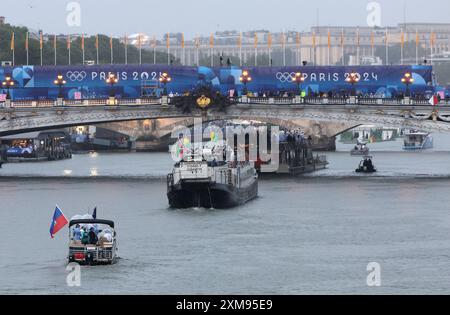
{"points": [[58, 222], [434, 100]]}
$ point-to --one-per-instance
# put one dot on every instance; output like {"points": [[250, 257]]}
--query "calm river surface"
{"points": [[314, 234]]}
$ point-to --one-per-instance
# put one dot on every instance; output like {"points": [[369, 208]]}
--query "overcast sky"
{"points": [[196, 17]]}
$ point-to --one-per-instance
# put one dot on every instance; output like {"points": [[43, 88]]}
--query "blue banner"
{"points": [[85, 82]]}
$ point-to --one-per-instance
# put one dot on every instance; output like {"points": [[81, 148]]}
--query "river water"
{"points": [[307, 235]]}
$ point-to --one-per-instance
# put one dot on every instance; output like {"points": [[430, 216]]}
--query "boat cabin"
{"points": [[37, 146]]}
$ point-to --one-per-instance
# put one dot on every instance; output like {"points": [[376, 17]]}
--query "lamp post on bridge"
{"points": [[8, 83], [353, 78], [60, 82], [164, 79], [407, 80], [245, 78], [299, 79], [112, 80]]}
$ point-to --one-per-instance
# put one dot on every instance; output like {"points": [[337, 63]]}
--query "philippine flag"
{"points": [[59, 221]]}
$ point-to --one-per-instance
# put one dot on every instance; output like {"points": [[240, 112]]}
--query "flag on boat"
{"points": [[58, 222], [434, 100], [94, 214]]}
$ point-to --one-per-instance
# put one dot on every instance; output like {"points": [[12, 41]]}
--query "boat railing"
{"points": [[224, 177]]}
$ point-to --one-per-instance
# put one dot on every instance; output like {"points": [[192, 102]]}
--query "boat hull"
{"points": [[428, 143], [210, 195]]}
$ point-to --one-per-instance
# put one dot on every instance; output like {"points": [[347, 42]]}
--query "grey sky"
{"points": [[195, 17]]}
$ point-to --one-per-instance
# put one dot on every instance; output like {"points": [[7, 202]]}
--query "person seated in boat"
{"points": [[84, 237], [92, 236], [77, 233], [105, 237], [368, 165]]}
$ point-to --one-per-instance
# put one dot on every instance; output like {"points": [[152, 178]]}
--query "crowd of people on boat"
{"points": [[91, 235], [368, 165], [294, 136]]}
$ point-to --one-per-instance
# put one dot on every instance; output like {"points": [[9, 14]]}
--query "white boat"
{"points": [[360, 149], [99, 251], [415, 140]]}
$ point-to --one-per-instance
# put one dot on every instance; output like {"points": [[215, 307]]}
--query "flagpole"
{"points": [[431, 46], [402, 39], [140, 48], [111, 48], [126, 49], [314, 49], [342, 47], [284, 50], [372, 43], [417, 46], [329, 47], [387, 48], [69, 48], [27, 48], [41, 43], [13, 48], [168, 48], [82, 48], [97, 48], [358, 57], [183, 51], [211, 46], [240, 49], [300, 55], [54, 48], [196, 52], [154, 50], [256, 50]]}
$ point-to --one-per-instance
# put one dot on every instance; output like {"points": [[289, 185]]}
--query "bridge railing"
{"points": [[363, 101]]}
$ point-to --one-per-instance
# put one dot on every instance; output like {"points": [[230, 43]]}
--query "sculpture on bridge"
{"points": [[203, 97]]}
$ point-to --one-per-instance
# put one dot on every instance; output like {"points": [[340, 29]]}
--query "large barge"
{"points": [[213, 184]]}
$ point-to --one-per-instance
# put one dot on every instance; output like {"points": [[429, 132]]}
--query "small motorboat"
{"points": [[360, 149], [86, 249], [366, 166]]}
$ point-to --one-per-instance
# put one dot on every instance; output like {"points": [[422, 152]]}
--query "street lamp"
{"points": [[60, 82], [299, 79], [164, 79], [8, 83], [353, 78], [112, 80], [407, 80], [244, 79]]}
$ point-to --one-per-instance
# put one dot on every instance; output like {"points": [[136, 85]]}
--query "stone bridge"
{"points": [[284, 112]]}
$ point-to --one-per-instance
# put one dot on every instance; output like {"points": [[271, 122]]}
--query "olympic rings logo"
{"points": [[285, 76], [76, 75]]}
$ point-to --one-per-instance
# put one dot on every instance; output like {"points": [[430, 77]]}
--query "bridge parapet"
{"points": [[144, 101]]}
